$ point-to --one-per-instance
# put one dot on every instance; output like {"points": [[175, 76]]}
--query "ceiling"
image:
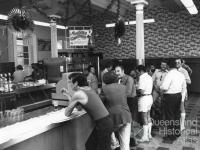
{"points": [[59, 7]]}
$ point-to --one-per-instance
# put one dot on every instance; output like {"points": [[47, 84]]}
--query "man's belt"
{"points": [[145, 94]]}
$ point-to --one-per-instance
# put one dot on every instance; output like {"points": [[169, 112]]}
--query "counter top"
{"points": [[18, 132]]}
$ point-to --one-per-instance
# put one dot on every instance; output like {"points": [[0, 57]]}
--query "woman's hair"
{"points": [[19, 67], [80, 79], [110, 77]]}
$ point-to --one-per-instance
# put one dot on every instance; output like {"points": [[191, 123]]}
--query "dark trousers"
{"points": [[172, 113], [100, 138], [133, 106]]}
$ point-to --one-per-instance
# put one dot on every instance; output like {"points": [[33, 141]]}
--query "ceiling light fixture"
{"points": [[130, 23], [189, 4]]}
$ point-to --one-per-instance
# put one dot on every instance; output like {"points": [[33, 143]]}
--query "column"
{"points": [[54, 50], [140, 53], [35, 48]]}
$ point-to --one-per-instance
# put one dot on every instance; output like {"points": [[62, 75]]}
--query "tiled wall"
{"points": [[171, 35]]}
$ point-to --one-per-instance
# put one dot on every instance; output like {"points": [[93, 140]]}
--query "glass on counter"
{"points": [[30, 84], [55, 104], [8, 117]]}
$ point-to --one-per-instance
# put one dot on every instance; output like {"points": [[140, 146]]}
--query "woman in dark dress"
{"points": [[118, 108]]}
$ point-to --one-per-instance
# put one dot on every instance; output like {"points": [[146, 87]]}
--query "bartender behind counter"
{"points": [[36, 74], [18, 75]]}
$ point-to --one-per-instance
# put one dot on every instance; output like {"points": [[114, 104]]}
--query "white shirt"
{"points": [[186, 75], [145, 83], [18, 76], [174, 82], [102, 73]]}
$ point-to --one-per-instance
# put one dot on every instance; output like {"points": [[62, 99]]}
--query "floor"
{"points": [[190, 138]]}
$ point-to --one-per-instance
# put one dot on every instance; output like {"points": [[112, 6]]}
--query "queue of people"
{"points": [[131, 98]]}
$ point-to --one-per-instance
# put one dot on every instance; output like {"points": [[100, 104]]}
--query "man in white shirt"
{"points": [[179, 67], [145, 101], [174, 88]]}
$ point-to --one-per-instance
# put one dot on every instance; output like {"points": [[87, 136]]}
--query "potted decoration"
{"points": [[20, 20], [119, 30]]}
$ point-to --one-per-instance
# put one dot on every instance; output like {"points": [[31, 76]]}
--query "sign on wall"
{"points": [[80, 37], [44, 45]]}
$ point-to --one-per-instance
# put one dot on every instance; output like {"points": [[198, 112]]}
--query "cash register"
{"points": [[58, 99]]}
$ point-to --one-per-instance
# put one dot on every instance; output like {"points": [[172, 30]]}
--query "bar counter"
{"points": [[52, 131], [25, 94]]}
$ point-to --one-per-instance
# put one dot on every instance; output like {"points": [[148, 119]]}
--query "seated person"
{"points": [[18, 75], [36, 74]]}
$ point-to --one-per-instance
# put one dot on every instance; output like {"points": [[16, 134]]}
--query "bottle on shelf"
{"points": [[6, 86], [1, 83], [10, 84]]}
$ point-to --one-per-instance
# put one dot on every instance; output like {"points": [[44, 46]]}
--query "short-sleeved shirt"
{"points": [[18, 76], [174, 82], [93, 82], [158, 77], [145, 83], [189, 70], [186, 75]]}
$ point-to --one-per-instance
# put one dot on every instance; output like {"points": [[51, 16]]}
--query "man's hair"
{"points": [[108, 64], [163, 61], [80, 79], [89, 67], [110, 77], [19, 67], [141, 68], [119, 65], [179, 59]]}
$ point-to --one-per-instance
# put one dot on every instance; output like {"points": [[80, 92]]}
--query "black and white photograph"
{"points": [[99, 75]]}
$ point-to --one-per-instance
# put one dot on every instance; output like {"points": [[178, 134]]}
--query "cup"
{"points": [[7, 116], [55, 104], [1, 116]]}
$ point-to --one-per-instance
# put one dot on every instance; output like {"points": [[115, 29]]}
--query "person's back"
{"points": [[116, 94], [173, 82], [95, 106], [18, 75], [118, 108]]}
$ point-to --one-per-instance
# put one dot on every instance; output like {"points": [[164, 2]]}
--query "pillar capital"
{"points": [[137, 2], [52, 22], [54, 18]]}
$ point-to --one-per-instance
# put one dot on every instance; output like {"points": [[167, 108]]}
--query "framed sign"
{"points": [[44, 45], [80, 37]]}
